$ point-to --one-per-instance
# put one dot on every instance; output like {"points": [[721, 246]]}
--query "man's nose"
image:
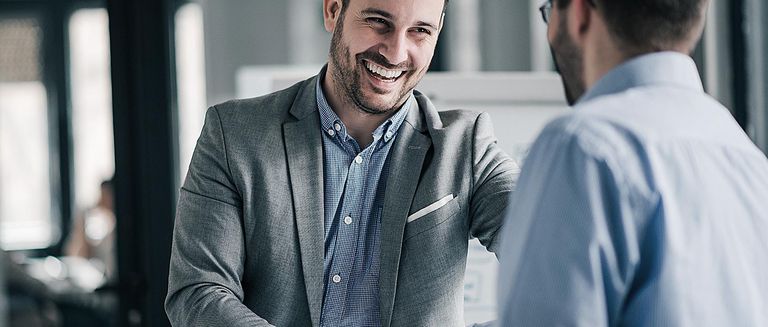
{"points": [[395, 48]]}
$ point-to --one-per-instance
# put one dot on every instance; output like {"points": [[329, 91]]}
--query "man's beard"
{"points": [[347, 78], [568, 62]]}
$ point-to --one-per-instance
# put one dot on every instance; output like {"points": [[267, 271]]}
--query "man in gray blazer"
{"points": [[344, 200]]}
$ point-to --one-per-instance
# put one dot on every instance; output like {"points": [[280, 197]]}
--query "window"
{"points": [[190, 80], [91, 104], [25, 193]]}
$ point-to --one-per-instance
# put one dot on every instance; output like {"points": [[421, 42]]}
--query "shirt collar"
{"points": [[332, 124], [661, 68]]}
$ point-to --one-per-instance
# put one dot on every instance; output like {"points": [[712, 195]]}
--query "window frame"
{"points": [[54, 16]]}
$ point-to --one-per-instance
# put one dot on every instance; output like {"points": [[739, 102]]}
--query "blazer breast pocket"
{"points": [[431, 216]]}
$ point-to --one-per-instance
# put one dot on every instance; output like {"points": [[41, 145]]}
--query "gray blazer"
{"points": [[248, 238]]}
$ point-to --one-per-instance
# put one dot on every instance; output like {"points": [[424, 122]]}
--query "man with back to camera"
{"points": [[646, 206], [344, 200]]}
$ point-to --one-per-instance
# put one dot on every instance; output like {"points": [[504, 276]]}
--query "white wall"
{"points": [[258, 32]]}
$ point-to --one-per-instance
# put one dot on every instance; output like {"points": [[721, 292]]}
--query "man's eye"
{"points": [[422, 30], [377, 21]]}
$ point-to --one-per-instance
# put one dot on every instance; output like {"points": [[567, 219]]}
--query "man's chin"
{"points": [[375, 109], [572, 86], [378, 106], [569, 97], [374, 102]]}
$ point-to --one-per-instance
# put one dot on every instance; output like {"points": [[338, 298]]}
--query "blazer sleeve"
{"points": [[494, 178], [208, 255]]}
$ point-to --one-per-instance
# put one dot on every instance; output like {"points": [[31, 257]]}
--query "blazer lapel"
{"points": [[303, 145], [406, 160]]}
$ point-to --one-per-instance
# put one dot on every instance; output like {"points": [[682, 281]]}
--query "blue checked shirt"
{"points": [[355, 180]]}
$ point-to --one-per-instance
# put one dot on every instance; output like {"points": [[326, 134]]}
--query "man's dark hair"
{"points": [[650, 24]]}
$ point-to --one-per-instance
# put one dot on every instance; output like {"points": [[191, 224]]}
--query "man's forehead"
{"points": [[427, 11]]}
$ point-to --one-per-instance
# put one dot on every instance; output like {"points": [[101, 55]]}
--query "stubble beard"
{"points": [[569, 63]]}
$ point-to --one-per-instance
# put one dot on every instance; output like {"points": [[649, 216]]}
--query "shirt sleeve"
{"points": [[569, 243]]}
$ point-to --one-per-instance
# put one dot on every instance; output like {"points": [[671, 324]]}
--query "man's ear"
{"points": [[579, 19], [331, 13]]}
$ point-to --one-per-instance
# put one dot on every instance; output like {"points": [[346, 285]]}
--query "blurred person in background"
{"points": [[646, 206], [63, 291], [93, 233], [344, 200]]}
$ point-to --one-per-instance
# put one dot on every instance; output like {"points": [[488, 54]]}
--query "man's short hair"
{"points": [[651, 24]]}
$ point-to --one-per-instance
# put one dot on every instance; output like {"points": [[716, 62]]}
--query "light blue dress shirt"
{"points": [[646, 206], [354, 184]]}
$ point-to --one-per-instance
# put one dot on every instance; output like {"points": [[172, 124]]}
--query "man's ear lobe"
{"points": [[331, 11]]}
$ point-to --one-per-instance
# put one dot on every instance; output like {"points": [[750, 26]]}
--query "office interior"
{"points": [[103, 100]]}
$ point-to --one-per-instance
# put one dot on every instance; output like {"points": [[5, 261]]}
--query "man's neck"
{"points": [[600, 57], [601, 52], [360, 125]]}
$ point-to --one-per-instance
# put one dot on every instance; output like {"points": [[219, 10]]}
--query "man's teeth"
{"points": [[386, 73]]}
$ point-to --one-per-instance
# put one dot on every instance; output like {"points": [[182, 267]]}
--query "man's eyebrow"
{"points": [[374, 11], [425, 24], [382, 13]]}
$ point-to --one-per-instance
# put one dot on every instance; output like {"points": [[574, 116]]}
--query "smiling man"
{"points": [[344, 200]]}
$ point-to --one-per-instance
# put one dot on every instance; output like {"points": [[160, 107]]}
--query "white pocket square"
{"points": [[430, 208]]}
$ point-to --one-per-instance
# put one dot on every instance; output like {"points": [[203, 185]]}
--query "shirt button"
{"points": [[388, 135], [359, 159], [336, 278], [331, 132], [347, 220], [337, 126]]}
